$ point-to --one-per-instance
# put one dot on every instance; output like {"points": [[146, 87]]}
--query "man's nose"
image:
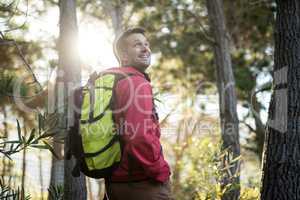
{"points": [[146, 48]]}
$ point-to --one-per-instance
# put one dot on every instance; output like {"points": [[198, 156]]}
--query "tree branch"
{"points": [[249, 126], [204, 32], [23, 58]]}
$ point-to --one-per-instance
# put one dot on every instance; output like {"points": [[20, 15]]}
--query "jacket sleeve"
{"points": [[140, 128]]}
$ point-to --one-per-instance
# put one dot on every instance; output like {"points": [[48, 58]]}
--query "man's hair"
{"points": [[120, 41]]}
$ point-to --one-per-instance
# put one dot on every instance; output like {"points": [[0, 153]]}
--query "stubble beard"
{"points": [[142, 64]]}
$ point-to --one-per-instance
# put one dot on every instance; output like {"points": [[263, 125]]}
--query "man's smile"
{"points": [[144, 56]]}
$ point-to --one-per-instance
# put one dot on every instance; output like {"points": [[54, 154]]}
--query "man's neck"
{"points": [[137, 68]]}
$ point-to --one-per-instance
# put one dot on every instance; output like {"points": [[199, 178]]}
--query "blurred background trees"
{"points": [[183, 75]]}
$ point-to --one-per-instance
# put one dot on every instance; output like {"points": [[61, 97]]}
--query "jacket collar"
{"points": [[137, 72], [130, 70]]}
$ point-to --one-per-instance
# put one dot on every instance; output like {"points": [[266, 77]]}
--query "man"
{"points": [[143, 173]]}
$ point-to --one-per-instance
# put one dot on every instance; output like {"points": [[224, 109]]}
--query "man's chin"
{"points": [[142, 66]]}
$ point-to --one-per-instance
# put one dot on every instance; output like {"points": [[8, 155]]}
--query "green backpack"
{"points": [[93, 139]]}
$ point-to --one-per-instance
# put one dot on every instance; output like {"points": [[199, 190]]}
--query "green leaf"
{"points": [[10, 142], [35, 141], [31, 136], [16, 148], [23, 140], [39, 123], [236, 159], [19, 130], [157, 99], [56, 192], [50, 149], [47, 134], [39, 146], [7, 156]]}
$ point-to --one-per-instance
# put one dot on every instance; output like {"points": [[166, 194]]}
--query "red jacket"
{"points": [[142, 156]]}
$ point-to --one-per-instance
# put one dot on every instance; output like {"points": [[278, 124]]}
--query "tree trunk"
{"points": [[259, 127], [281, 167], [227, 100], [5, 135], [69, 75], [115, 10], [57, 167]]}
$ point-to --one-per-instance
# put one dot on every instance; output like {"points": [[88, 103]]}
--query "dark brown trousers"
{"points": [[142, 190]]}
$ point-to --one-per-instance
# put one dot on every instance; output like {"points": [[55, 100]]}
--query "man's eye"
{"points": [[141, 44]]}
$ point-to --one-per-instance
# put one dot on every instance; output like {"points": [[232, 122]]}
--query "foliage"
{"points": [[9, 80], [44, 133], [9, 193], [250, 193], [56, 193], [39, 138], [201, 172]]}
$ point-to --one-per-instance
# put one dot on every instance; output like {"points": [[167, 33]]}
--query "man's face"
{"points": [[137, 53]]}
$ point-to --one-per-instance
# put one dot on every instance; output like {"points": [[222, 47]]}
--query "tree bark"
{"points": [[259, 127], [115, 10], [57, 167], [281, 166], [227, 100], [69, 75], [5, 135]]}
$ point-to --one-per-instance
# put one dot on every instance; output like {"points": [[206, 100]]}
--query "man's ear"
{"points": [[124, 57]]}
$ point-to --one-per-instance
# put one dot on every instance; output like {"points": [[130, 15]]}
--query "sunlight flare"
{"points": [[95, 47]]}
